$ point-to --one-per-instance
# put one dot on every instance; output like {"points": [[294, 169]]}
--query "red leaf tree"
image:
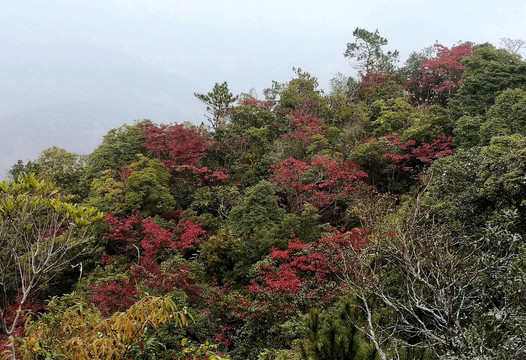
{"points": [[414, 157], [305, 275], [177, 144], [439, 77], [322, 182], [305, 127], [156, 245], [182, 149]]}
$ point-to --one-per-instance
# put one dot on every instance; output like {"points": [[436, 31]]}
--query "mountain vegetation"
{"points": [[383, 219]]}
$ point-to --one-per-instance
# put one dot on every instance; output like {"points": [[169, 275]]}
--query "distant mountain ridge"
{"points": [[78, 94]]}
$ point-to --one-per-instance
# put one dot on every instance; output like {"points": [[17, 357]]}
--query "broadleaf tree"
{"points": [[40, 232]]}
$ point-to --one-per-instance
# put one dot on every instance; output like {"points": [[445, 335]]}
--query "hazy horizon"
{"points": [[74, 70]]}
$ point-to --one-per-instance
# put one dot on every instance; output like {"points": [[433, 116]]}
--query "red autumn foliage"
{"points": [[414, 157], [269, 104], [177, 144], [155, 245], [305, 127], [190, 233], [200, 175], [125, 230], [152, 277], [148, 277], [322, 182], [440, 77], [154, 240], [308, 106], [114, 295], [303, 275], [181, 149]]}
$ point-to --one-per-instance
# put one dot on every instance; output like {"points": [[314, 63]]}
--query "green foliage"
{"points": [[20, 168], [277, 354], [218, 103], [254, 163], [243, 146], [336, 335], [258, 211], [377, 86], [497, 329], [229, 254], [507, 116], [216, 200], [434, 121], [352, 130], [142, 186], [391, 116], [252, 116], [217, 254], [502, 171], [307, 226], [488, 72], [40, 232], [473, 183], [346, 86], [56, 165], [256, 221], [367, 49], [454, 190], [119, 147], [147, 188], [341, 109], [467, 131], [206, 351], [381, 170], [300, 94], [435, 290], [107, 193], [254, 226]]}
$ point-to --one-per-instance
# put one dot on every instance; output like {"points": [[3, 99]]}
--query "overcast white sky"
{"points": [[73, 69]]}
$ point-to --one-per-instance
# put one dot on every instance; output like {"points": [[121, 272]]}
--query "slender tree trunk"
{"points": [[15, 322], [370, 329], [12, 346]]}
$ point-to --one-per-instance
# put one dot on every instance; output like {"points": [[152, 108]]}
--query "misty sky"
{"points": [[72, 70]]}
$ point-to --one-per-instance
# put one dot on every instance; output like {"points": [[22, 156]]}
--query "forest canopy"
{"points": [[383, 219]]}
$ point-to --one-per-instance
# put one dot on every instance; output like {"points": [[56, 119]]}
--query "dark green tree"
{"points": [[257, 222], [300, 94], [218, 104], [467, 131], [473, 184], [488, 72], [506, 117], [334, 335], [368, 52], [119, 147], [147, 188], [56, 165]]}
